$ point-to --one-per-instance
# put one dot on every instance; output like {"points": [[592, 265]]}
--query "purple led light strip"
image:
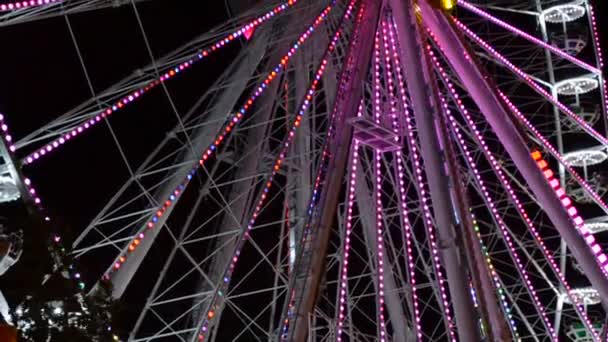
{"points": [[229, 126], [168, 74], [391, 56], [343, 287], [378, 197], [595, 35], [428, 223], [26, 4], [528, 37], [487, 47], [598, 48], [540, 243]]}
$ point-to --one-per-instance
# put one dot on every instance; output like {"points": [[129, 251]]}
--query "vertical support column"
{"points": [[418, 79], [306, 277], [499, 119]]}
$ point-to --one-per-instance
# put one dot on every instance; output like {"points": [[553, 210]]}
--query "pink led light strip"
{"points": [[547, 254], [393, 56], [411, 139], [547, 145], [343, 287], [598, 48], [378, 199], [531, 82], [168, 74], [26, 4], [232, 122], [595, 35], [528, 37]]}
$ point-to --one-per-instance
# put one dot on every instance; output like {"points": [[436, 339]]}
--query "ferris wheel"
{"points": [[362, 170]]}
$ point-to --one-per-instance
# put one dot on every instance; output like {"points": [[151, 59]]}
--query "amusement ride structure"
{"points": [[363, 170]]}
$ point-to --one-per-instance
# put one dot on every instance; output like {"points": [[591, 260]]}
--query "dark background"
{"points": [[42, 78]]}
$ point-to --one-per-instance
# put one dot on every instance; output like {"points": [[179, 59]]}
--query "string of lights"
{"points": [[170, 73]]}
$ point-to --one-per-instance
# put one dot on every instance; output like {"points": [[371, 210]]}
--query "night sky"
{"points": [[42, 78]]}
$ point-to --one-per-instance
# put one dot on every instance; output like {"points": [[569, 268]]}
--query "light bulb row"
{"points": [[496, 280], [528, 37], [343, 287], [26, 4], [6, 135], [600, 257], [168, 74], [598, 48], [531, 83], [596, 35], [306, 103], [220, 138], [392, 55], [381, 321]]}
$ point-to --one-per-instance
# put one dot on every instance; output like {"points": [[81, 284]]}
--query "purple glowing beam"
{"points": [[11, 6]]}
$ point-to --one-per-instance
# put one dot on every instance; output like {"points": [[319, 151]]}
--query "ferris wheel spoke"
{"points": [[43, 9], [507, 240], [547, 254]]}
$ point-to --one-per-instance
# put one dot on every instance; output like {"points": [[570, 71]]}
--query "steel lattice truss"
{"points": [[361, 171]]}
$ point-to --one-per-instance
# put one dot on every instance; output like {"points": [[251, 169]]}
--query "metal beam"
{"points": [[417, 74], [308, 276]]}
